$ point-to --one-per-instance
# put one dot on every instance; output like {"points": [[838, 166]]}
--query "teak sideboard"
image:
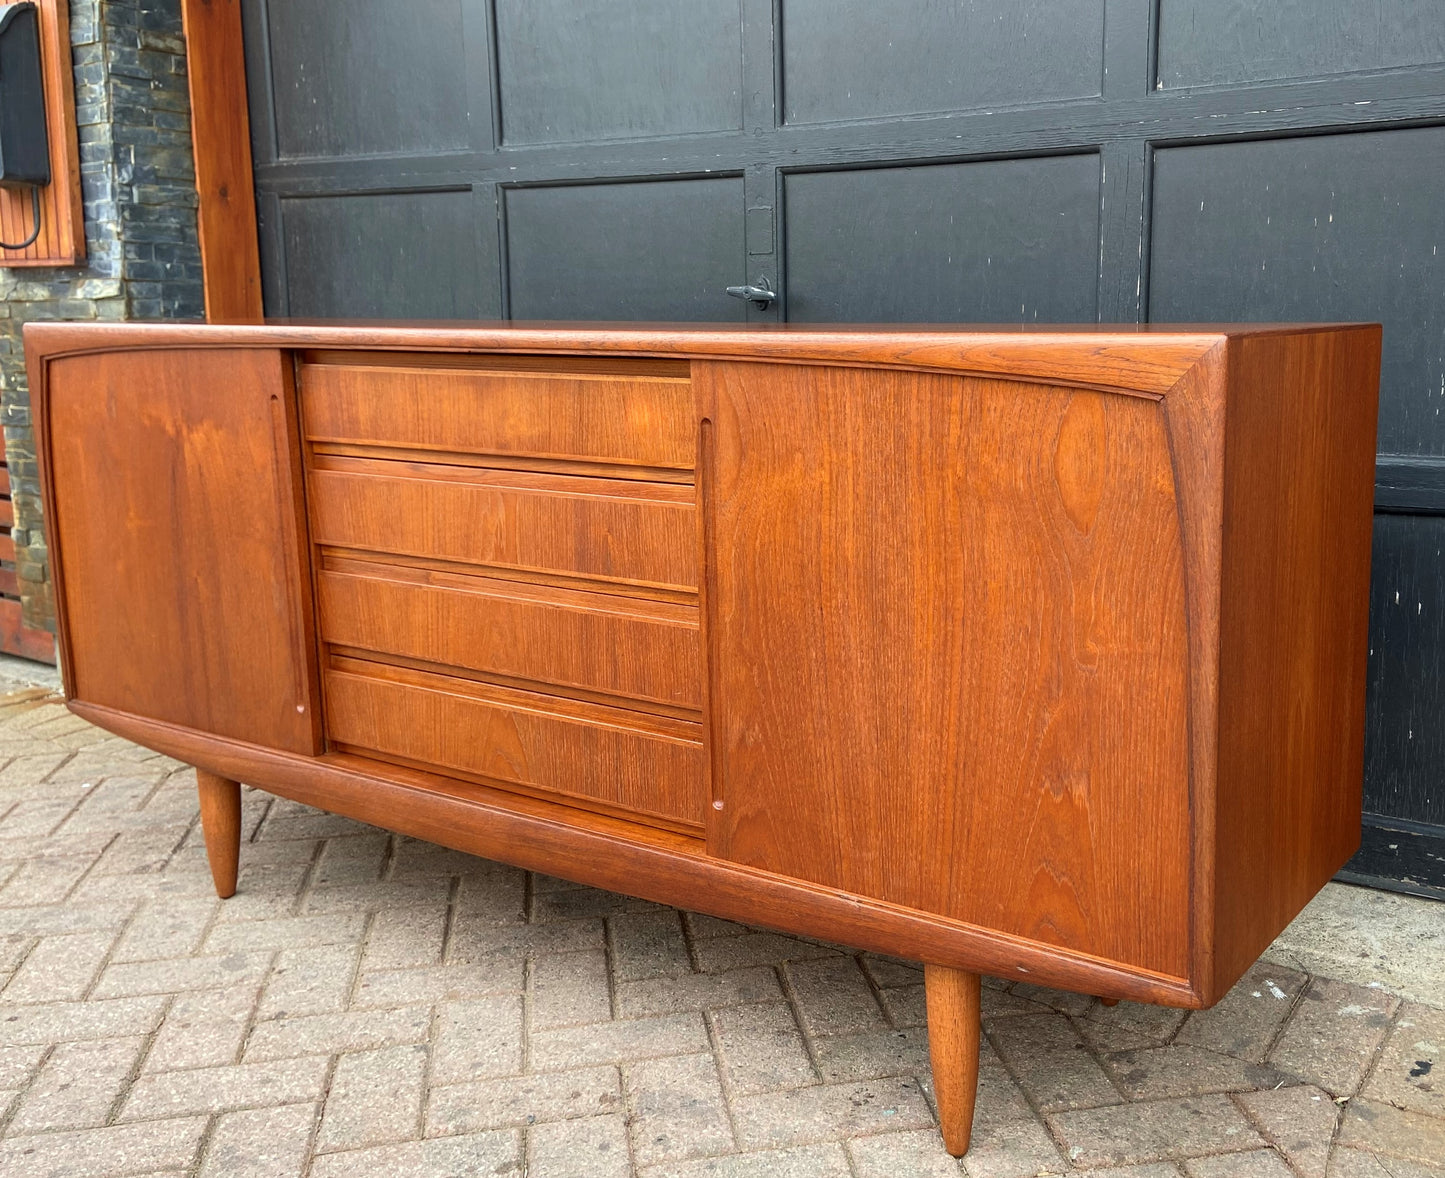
{"points": [[1036, 653]]}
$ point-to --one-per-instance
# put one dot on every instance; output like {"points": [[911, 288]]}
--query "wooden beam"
{"points": [[221, 141]]}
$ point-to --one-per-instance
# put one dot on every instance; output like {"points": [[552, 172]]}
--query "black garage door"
{"points": [[926, 160]]}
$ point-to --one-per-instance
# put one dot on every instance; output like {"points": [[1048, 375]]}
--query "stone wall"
{"points": [[142, 259]]}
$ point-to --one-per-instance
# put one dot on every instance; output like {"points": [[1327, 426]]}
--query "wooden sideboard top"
{"points": [[1147, 359]]}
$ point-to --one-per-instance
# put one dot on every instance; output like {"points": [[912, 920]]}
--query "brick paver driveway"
{"points": [[372, 1005]]}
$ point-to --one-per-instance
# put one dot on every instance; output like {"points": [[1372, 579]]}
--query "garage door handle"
{"points": [[762, 294]]}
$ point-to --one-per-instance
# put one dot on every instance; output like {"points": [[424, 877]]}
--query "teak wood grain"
{"points": [[221, 146], [1293, 616], [1033, 653], [173, 486], [640, 649], [220, 802], [952, 1000], [651, 765], [622, 418], [1147, 358], [972, 698], [603, 529]]}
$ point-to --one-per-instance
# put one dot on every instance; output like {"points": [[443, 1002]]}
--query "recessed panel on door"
{"points": [[419, 255], [1004, 241], [859, 59], [1217, 42], [1404, 745], [374, 76], [617, 69], [662, 250], [1330, 227]]}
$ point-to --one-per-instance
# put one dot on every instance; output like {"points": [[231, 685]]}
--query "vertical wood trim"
{"points": [[1194, 418], [256, 35], [221, 142], [1124, 165], [486, 132], [761, 66], [761, 114], [272, 242], [504, 253], [1130, 29], [292, 509], [490, 251], [1123, 230], [714, 819], [484, 92], [761, 211]]}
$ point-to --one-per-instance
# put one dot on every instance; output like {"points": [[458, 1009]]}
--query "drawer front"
{"points": [[630, 419], [642, 765], [632, 649], [609, 529]]}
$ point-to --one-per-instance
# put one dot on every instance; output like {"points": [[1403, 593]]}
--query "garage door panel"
{"points": [[1217, 42], [859, 59], [1318, 228], [1404, 740], [365, 256], [359, 93], [660, 250], [1000, 241], [614, 69]]}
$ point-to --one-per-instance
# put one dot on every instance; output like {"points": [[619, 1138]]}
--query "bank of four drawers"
{"points": [[506, 573]]}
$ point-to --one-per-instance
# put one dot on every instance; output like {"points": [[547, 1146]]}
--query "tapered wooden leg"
{"points": [[221, 824], [953, 1031]]}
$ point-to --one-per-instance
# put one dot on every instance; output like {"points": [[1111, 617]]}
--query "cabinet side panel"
{"points": [[948, 650], [1294, 612], [174, 498]]}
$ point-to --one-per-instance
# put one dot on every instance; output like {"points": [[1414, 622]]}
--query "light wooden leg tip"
{"points": [[1108, 1002], [953, 1032], [221, 824]]}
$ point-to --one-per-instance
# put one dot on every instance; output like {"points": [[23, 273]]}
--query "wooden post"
{"points": [[221, 144], [221, 824], [953, 1031]]}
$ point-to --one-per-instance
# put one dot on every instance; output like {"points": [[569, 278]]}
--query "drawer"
{"points": [[591, 642], [648, 765], [612, 529], [608, 417]]}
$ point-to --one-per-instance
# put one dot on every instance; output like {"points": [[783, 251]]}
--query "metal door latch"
{"points": [[760, 295]]}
